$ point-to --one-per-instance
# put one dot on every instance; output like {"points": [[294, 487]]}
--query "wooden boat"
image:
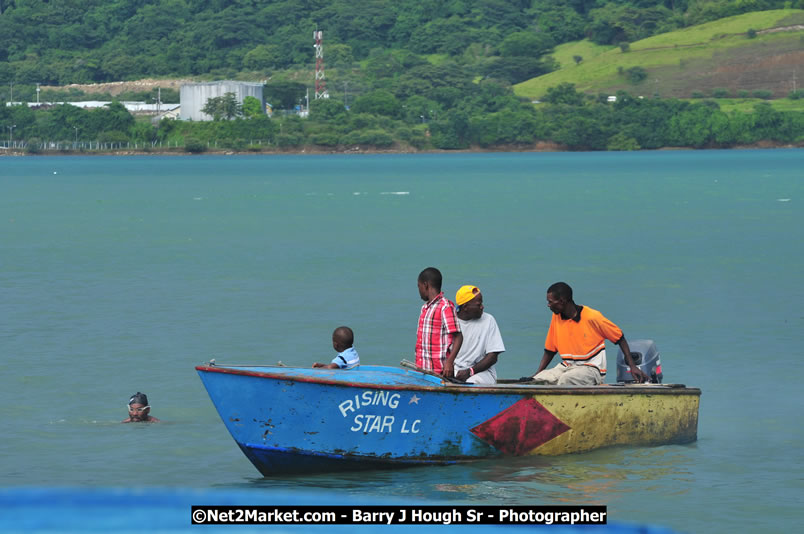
{"points": [[300, 420]]}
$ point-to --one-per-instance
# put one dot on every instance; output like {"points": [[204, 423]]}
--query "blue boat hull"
{"points": [[273, 461], [295, 420]]}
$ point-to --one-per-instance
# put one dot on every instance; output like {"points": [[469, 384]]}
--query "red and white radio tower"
{"points": [[320, 84]]}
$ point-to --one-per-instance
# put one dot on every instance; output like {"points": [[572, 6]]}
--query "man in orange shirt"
{"points": [[579, 334]]}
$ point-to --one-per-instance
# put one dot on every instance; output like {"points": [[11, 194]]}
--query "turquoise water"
{"points": [[121, 274]]}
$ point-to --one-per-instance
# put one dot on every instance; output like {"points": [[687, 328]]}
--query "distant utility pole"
{"points": [[346, 95], [37, 92], [320, 84]]}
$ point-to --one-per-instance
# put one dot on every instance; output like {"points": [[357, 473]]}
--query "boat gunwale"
{"points": [[497, 389]]}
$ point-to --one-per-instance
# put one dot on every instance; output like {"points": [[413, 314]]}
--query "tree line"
{"points": [[419, 74], [485, 115], [86, 41]]}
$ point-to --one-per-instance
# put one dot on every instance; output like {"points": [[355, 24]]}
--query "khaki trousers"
{"points": [[573, 375]]}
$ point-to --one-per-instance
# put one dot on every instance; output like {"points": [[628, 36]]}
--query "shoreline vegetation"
{"points": [[415, 76], [321, 151], [495, 120]]}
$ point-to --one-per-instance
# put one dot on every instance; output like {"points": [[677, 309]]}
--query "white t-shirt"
{"points": [[480, 336]]}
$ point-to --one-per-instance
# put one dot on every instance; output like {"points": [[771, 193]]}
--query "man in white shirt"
{"points": [[482, 342]]}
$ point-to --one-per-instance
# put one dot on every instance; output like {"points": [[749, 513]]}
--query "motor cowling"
{"points": [[646, 357]]}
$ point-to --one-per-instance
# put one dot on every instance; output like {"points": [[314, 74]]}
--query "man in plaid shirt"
{"points": [[438, 336]]}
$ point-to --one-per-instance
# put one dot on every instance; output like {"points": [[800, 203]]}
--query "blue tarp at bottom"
{"points": [[168, 510]]}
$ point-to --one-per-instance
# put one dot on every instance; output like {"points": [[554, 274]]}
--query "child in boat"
{"points": [[342, 341], [139, 410]]}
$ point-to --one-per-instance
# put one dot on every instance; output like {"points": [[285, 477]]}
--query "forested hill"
{"points": [[82, 41], [402, 74]]}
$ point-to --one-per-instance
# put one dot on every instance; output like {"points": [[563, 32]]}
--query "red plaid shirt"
{"points": [[438, 325]]}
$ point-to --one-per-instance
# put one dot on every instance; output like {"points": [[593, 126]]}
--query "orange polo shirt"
{"points": [[582, 341]]}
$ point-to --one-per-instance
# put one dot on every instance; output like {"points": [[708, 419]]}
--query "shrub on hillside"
{"points": [[720, 93], [636, 75], [233, 144], [378, 102], [795, 95], [194, 146], [113, 137], [416, 136], [763, 94], [622, 141], [404, 133], [378, 138], [324, 139], [564, 93], [518, 69]]}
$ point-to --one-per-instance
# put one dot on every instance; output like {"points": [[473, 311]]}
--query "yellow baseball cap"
{"points": [[465, 294]]}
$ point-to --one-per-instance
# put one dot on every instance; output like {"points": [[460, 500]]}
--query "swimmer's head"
{"points": [[138, 398], [138, 407]]}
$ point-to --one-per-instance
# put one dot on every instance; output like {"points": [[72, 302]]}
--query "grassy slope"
{"points": [[747, 104], [716, 54]]}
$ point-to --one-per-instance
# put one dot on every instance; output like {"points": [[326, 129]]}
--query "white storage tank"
{"points": [[194, 96]]}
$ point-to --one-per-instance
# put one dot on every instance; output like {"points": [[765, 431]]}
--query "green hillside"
{"points": [[407, 75], [760, 51]]}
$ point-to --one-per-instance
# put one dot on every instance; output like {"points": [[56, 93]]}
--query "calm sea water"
{"points": [[120, 274]]}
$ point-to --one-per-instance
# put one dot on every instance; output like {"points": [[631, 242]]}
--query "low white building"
{"points": [[135, 108]]}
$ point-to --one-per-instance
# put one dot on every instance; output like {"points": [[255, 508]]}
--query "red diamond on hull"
{"points": [[521, 428]]}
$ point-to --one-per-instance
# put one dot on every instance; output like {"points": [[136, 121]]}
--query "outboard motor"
{"points": [[646, 357]]}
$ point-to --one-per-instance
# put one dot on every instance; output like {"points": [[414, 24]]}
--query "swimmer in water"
{"points": [[138, 410]]}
